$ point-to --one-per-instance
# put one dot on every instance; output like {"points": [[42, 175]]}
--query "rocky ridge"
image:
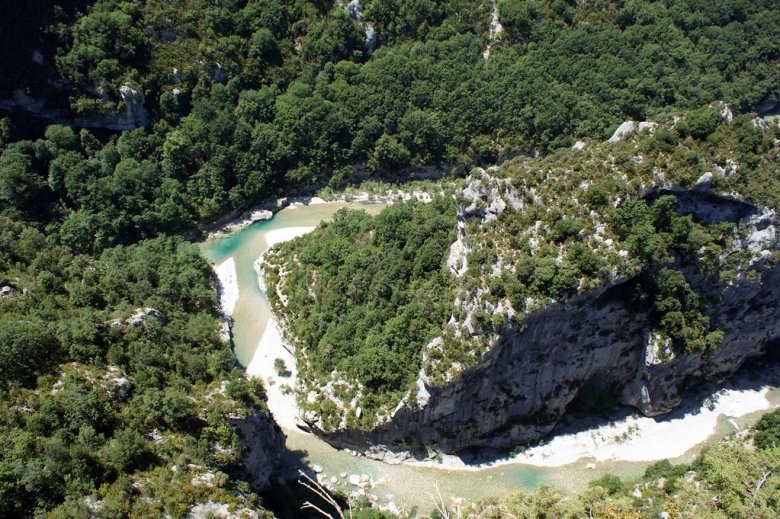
{"points": [[590, 344], [522, 375]]}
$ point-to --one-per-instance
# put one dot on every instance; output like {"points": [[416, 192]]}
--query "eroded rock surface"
{"points": [[598, 344], [262, 444]]}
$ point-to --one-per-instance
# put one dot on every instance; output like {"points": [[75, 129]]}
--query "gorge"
{"points": [[567, 461]]}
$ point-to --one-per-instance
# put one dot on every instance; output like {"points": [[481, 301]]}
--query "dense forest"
{"points": [[247, 99], [366, 295], [110, 358]]}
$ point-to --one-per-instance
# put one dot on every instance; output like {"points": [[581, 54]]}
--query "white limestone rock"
{"points": [[142, 314], [704, 180], [134, 105], [214, 510], [658, 349], [628, 128], [725, 111]]}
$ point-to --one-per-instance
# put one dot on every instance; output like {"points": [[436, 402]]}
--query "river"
{"points": [[410, 486]]}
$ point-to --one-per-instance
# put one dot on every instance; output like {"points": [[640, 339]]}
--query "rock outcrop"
{"points": [[630, 127], [135, 112], [355, 10], [134, 116], [593, 346], [262, 445]]}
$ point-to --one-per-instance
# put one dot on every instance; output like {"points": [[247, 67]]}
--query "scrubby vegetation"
{"points": [[362, 296], [105, 398], [579, 219], [537, 231]]}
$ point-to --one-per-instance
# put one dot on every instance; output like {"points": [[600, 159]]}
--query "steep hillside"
{"points": [[125, 125], [618, 272]]}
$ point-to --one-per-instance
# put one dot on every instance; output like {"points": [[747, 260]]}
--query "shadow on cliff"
{"points": [[588, 412], [287, 496]]}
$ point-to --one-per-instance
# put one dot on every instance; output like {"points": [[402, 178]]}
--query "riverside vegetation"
{"points": [[116, 390]]}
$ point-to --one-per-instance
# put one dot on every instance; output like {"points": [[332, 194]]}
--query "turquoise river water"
{"points": [[408, 486]]}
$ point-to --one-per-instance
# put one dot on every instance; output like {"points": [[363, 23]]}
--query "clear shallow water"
{"points": [[408, 486], [252, 310]]}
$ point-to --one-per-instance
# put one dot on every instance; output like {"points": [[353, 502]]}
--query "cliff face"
{"points": [[134, 116], [593, 345], [262, 445], [597, 347]]}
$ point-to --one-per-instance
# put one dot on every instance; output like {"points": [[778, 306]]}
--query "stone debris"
{"points": [[215, 510], [142, 314]]}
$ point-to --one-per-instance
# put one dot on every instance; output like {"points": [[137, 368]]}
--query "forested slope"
{"points": [[248, 98], [111, 361], [666, 220]]}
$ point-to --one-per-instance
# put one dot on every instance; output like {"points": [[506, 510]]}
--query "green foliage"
{"points": [[425, 96], [700, 123], [767, 431], [105, 45], [651, 233], [671, 473], [81, 427], [731, 479], [273, 95], [367, 293], [27, 348], [20, 183], [609, 482], [389, 154]]}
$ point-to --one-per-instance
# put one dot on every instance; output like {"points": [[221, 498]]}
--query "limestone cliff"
{"points": [[262, 445], [596, 345], [133, 116], [614, 273]]}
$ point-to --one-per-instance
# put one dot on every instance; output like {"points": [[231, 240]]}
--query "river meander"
{"points": [[406, 485]]}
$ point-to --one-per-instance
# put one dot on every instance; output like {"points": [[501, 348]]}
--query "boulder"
{"points": [[628, 128], [142, 314]]}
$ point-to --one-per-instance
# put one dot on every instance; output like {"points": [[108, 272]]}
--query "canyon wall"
{"points": [[596, 347]]}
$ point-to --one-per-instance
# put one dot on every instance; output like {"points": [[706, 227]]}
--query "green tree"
{"points": [[27, 348], [389, 154]]}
